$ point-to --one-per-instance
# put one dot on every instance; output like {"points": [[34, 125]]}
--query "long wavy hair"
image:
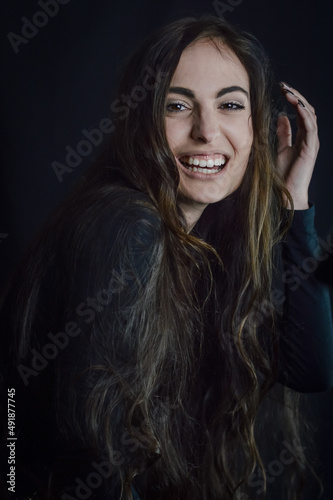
{"points": [[191, 378]]}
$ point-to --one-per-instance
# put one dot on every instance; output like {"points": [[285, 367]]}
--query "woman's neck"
{"points": [[192, 212]]}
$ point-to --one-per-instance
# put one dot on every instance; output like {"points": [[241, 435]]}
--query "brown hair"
{"points": [[236, 250], [196, 363]]}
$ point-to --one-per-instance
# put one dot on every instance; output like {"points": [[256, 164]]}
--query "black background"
{"points": [[62, 80]]}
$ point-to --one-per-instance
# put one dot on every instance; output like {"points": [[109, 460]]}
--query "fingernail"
{"points": [[301, 103], [288, 91], [284, 84]]}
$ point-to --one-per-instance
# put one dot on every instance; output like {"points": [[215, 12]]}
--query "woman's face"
{"points": [[208, 123]]}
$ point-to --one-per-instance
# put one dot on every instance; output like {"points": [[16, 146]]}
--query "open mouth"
{"points": [[209, 166]]}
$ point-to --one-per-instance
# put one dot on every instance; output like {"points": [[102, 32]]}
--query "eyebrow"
{"points": [[189, 93]]}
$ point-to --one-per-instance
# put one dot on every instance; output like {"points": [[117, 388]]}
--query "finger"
{"points": [[307, 132], [306, 139], [283, 132], [292, 95], [306, 117]]}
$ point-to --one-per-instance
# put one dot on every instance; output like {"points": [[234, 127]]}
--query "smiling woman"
{"points": [[208, 124], [175, 260]]}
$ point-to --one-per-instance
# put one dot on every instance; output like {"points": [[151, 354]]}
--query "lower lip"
{"points": [[200, 175]]}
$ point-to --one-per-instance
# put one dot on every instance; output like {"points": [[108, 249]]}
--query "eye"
{"points": [[175, 107], [232, 106]]}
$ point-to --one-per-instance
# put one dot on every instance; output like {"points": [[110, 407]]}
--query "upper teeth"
{"points": [[217, 162]]}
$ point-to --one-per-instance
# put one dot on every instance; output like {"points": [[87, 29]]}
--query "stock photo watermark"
{"points": [[11, 440], [263, 144], [276, 467], [257, 317], [60, 340], [103, 470], [292, 277], [296, 274], [74, 157], [94, 138], [222, 8], [30, 27]]}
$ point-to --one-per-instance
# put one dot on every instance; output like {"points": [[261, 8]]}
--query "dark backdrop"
{"points": [[57, 81]]}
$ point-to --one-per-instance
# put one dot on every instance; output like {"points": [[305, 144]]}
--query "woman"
{"points": [[161, 311]]}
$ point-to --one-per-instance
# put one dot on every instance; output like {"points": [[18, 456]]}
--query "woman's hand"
{"points": [[296, 161]]}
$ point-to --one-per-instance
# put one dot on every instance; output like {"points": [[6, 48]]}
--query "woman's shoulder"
{"points": [[114, 213], [96, 229], [115, 201], [96, 234]]}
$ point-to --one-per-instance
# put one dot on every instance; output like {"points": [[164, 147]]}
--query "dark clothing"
{"points": [[75, 313], [307, 339]]}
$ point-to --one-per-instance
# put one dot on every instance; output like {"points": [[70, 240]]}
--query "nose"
{"points": [[205, 127]]}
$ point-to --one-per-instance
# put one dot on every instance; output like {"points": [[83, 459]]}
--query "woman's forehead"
{"points": [[206, 60]]}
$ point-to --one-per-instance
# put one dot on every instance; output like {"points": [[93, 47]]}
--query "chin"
{"points": [[206, 195]]}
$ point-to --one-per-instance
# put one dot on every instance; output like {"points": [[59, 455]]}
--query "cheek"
{"points": [[249, 133], [242, 137], [174, 133]]}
